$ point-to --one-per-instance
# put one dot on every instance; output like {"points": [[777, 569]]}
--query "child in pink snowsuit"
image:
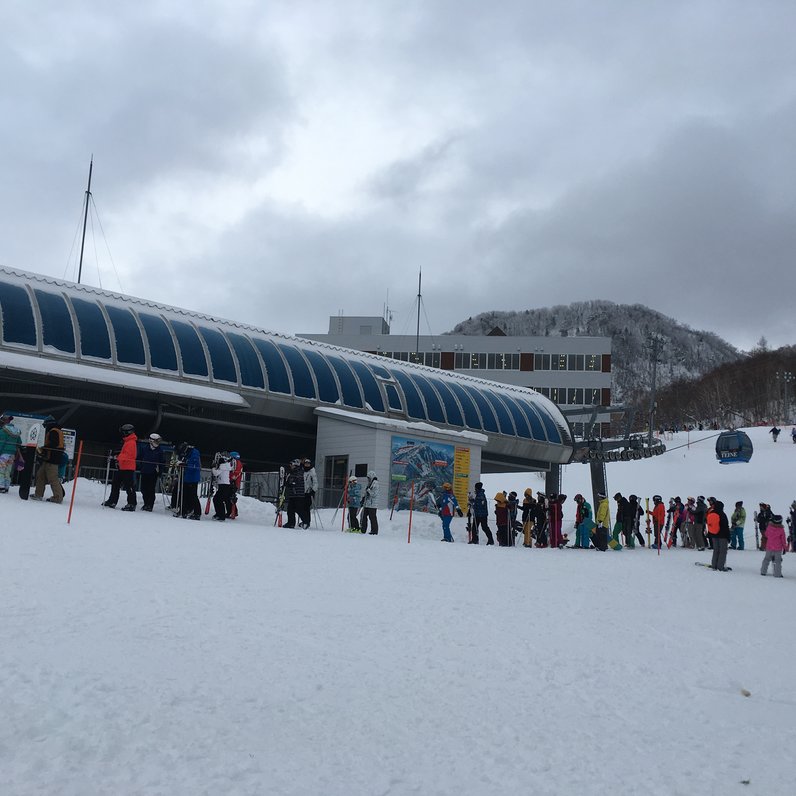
{"points": [[776, 545]]}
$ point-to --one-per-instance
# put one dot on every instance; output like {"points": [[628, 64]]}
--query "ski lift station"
{"points": [[95, 359]]}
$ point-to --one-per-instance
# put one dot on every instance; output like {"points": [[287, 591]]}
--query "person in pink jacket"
{"points": [[776, 545]]}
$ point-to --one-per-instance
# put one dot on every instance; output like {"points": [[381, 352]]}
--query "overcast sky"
{"points": [[279, 162]]}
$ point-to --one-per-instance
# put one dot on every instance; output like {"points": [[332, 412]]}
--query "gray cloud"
{"points": [[546, 153]]}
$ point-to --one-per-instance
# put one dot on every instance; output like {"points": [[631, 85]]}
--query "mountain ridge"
{"points": [[635, 330]]}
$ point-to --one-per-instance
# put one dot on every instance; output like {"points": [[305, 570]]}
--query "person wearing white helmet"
{"points": [[151, 463], [370, 502]]}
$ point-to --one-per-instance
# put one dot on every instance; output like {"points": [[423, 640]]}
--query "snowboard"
{"points": [[709, 566]]}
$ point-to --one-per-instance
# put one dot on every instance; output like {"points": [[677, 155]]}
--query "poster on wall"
{"points": [[428, 465]]}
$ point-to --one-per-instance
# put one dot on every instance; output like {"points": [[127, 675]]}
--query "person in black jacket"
{"points": [[480, 509], [150, 463], [700, 512], [294, 492], [634, 513]]}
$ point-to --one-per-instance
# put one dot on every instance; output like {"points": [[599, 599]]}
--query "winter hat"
{"points": [[447, 486], [657, 499], [479, 485], [500, 497], [618, 496], [371, 474], [578, 498], [601, 495], [700, 497], [777, 519], [739, 502]]}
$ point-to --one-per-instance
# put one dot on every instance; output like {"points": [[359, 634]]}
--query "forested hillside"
{"points": [[636, 332]]}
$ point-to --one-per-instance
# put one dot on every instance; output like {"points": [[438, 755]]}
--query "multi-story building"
{"points": [[573, 372]]}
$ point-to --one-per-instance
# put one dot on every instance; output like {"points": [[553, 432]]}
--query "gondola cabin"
{"points": [[733, 446]]}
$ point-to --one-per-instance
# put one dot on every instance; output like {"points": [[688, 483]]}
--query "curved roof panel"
{"points": [[52, 318]]}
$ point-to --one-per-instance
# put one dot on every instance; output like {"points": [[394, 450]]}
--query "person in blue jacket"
{"points": [[447, 505], [480, 509], [191, 462]]}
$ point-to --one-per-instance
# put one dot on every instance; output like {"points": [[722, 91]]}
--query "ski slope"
{"points": [[143, 654]]}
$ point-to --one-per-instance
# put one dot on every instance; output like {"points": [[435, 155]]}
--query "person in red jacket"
{"points": [[658, 515], [776, 545], [125, 475]]}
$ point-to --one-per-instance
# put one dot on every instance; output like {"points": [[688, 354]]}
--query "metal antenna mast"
{"points": [[419, 299], [85, 220]]}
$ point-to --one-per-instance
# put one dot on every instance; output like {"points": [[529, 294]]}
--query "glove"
{"points": [[311, 493], [459, 512]]}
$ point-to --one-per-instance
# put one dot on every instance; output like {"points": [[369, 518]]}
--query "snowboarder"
{"points": [[370, 502], [658, 515], [719, 530], [737, 521], [354, 498], [776, 545], [603, 520], [480, 509], [151, 458], [583, 522], [447, 505], [125, 474]]}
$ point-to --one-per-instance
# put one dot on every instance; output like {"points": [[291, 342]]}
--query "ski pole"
{"points": [[107, 475], [411, 507], [344, 503], [74, 482]]}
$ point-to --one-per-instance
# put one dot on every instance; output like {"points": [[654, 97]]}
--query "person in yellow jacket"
{"points": [[528, 516]]}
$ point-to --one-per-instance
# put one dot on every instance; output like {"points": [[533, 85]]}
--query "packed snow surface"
{"points": [[143, 654]]}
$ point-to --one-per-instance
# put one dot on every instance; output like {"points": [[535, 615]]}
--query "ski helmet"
{"points": [[447, 486], [234, 455], [352, 479], [126, 429]]}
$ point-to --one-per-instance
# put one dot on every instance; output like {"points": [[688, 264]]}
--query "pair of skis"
{"points": [[280, 498]]}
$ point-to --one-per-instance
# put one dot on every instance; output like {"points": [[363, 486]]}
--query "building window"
{"points": [[491, 361], [458, 360], [593, 362], [541, 362]]}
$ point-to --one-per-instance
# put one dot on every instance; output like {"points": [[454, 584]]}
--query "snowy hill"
{"points": [[142, 654], [684, 352]]}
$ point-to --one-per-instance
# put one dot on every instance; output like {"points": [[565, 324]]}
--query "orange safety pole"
{"points": [[411, 506], [74, 483]]}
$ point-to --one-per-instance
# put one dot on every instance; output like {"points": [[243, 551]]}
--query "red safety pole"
{"points": [[74, 483], [411, 506]]}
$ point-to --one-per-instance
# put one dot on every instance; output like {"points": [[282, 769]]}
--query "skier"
{"points": [[10, 444], [635, 512], [310, 488], [222, 468], [124, 476], [793, 435], [446, 506], [502, 519], [294, 492], [583, 522], [737, 521], [354, 502], [556, 512], [603, 522], [528, 517], [622, 511], [719, 529], [763, 518], [776, 545], [541, 520], [370, 502], [775, 432], [235, 482], [658, 515], [678, 518], [513, 505], [151, 458], [190, 461], [480, 508]]}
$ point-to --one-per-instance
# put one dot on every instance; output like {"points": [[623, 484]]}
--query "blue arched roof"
{"points": [[83, 324]]}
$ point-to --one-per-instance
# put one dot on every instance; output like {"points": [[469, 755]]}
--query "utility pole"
{"points": [[85, 219], [419, 299]]}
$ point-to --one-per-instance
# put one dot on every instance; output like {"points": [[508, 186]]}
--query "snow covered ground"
{"points": [[142, 654]]}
